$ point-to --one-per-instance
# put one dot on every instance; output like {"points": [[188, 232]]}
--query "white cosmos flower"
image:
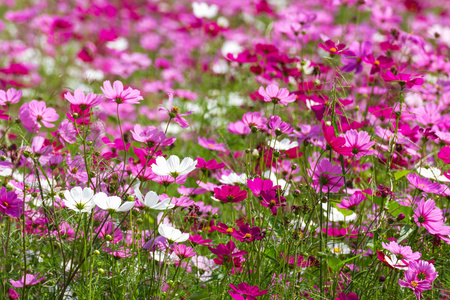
{"points": [[336, 215], [432, 173], [172, 234], [400, 264], [203, 10], [112, 203], [339, 248], [151, 200], [173, 167], [233, 178], [285, 144], [79, 200], [163, 256]]}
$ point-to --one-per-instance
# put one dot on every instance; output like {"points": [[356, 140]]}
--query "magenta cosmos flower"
{"points": [[26, 280], [259, 185], [403, 79], [349, 296], [174, 114], [359, 142], [117, 94], [271, 200], [429, 216], [247, 234], [352, 201], [444, 154], [276, 95], [230, 194], [401, 252], [419, 277], [11, 96], [334, 142], [424, 184], [35, 113], [332, 48], [209, 165], [183, 251], [245, 292], [151, 136], [10, 205], [83, 101], [324, 177], [211, 144]]}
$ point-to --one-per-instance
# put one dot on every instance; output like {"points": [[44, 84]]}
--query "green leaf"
{"points": [[395, 209], [345, 212], [333, 262], [405, 232], [401, 174]]}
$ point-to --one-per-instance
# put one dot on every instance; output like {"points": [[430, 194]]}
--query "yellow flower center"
{"points": [[376, 63], [230, 230], [336, 250], [333, 50], [248, 236], [414, 283]]}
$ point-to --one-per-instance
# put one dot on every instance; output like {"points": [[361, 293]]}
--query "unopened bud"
{"points": [[400, 217]]}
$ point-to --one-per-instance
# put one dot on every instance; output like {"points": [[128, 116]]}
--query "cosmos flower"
{"points": [[11, 96], [83, 101], [27, 280], [211, 144], [112, 203], [116, 93], [282, 145], [326, 177], [359, 143], [10, 205], [79, 200], [174, 114], [417, 282], [172, 166], [172, 234], [35, 114], [151, 200], [151, 136], [428, 215], [244, 291], [230, 194], [276, 95]]}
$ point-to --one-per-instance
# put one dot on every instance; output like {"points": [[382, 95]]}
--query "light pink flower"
{"points": [[276, 95], [429, 216], [117, 94], [35, 113], [11, 96], [359, 142], [174, 114], [83, 101], [29, 279], [211, 144]]}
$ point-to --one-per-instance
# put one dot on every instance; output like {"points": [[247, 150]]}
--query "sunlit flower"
{"points": [[79, 200]]}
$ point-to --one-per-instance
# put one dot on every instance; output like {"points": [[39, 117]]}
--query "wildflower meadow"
{"points": [[225, 149]]}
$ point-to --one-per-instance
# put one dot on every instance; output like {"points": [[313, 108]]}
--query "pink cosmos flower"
{"points": [[174, 114], [324, 177], [278, 127], [35, 113], [247, 234], [13, 294], [239, 128], [183, 251], [230, 194], [10, 205], [83, 101], [381, 62], [245, 292], [66, 132], [198, 239], [11, 96], [27, 280], [117, 94], [444, 154], [332, 48], [419, 277], [424, 184], [258, 185], [402, 252], [353, 200], [359, 142], [211, 144], [403, 79], [209, 165], [349, 296], [151, 136], [429, 216], [274, 94], [255, 120], [335, 143]]}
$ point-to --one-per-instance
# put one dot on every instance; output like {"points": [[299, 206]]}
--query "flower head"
{"points": [[112, 203], [11, 96], [276, 95], [172, 234], [83, 101], [10, 205], [116, 93], [79, 200], [174, 113], [429, 216], [35, 114], [230, 194], [173, 166]]}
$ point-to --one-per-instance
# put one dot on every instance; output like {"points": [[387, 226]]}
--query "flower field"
{"points": [[225, 149]]}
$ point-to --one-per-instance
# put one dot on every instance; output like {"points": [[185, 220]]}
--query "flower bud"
{"points": [[297, 193], [101, 271], [400, 217], [294, 167], [108, 237], [96, 252], [390, 220], [255, 153], [382, 278], [276, 153]]}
